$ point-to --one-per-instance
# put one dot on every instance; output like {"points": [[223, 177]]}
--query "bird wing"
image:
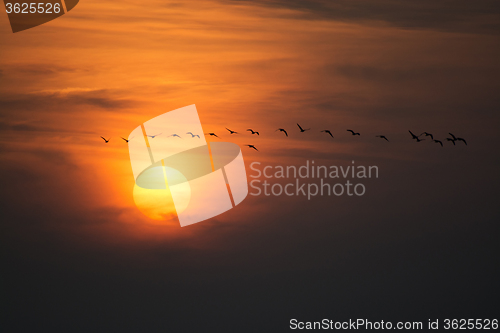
{"points": [[285, 133], [454, 138], [413, 135], [299, 127], [350, 131], [103, 138], [462, 140], [257, 133]]}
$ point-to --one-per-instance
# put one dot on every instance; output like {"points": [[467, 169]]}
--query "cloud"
{"points": [[43, 69], [59, 100], [457, 16]]}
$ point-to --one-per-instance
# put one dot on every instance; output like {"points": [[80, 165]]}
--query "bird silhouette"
{"points": [[382, 137], [413, 136], [353, 133], [460, 139], [193, 135], [452, 140], [253, 132], [124, 139], [232, 132], [282, 130], [328, 131], [428, 134], [175, 135], [154, 136], [252, 146], [437, 141], [211, 134], [301, 129], [105, 139]]}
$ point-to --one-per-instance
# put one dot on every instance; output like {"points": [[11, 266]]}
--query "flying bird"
{"points": [[353, 133], [437, 141], [382, 137], [175, 135], [232, 132], [211, 134], [193, 135], [301, 129], [328, 131], [153, 136], [282, 130], [252, 146], [452, 140], [253, 132], [124, 139], [456, 139], [413, 136], [428, 134], [105, 139]]}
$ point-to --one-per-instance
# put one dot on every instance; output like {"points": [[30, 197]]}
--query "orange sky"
{"points": [[105, 68]]}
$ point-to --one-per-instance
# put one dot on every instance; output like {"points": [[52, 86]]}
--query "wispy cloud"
{"points": [[57, 100], [457, 16]]}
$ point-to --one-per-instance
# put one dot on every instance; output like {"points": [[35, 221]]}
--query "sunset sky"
{"points": [[78, 254]]}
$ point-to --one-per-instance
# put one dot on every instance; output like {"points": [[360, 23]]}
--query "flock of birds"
{"points": [[417, 138]]}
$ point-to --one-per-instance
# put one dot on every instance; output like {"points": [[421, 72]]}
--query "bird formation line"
{"points": [[453, 139]]}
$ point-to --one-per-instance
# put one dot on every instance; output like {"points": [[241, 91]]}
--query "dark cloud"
{"points": [[26, 127], [458, 16], [58, 101], [43, 69]]}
